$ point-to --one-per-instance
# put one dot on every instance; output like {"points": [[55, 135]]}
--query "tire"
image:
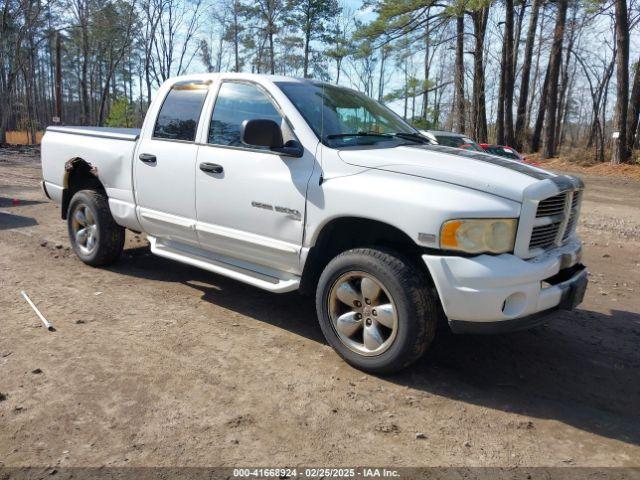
{"points": [[390, 338], [102, 240]]}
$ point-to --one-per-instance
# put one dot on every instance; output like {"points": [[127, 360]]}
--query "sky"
{"points": [[395, 78]]}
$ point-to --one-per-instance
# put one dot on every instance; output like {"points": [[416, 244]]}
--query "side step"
{"points": [[218, 265]]}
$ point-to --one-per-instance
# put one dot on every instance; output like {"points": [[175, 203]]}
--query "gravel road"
{"points": [[159, 364]]}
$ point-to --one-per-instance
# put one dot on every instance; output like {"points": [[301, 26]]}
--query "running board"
{"points": [[242, 274]]}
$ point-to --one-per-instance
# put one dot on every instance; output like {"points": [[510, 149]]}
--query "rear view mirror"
{"points": [[267, 133], [261, 133]]}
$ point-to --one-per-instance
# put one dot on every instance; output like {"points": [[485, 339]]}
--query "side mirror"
{"points": [[267, 133], [261, 133]]}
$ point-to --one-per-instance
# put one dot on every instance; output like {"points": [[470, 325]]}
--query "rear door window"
{"points": [[180, 112]]}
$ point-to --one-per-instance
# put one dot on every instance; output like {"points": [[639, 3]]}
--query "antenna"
{"points": [[321, 179]]}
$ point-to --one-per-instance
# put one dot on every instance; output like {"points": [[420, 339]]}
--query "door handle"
{"points": [[147, 158], [211, 167]]}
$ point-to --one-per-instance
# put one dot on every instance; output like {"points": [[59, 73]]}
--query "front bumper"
{"points": [[495, 293]]}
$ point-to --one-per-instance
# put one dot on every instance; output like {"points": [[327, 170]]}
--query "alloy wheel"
{"points": [[362, 313], [85, 229]]}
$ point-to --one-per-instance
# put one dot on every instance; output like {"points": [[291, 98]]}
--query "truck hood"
{"points": [[479, 171]]}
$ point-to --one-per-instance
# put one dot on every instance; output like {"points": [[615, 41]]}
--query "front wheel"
{"points": [[95, 236], [376, 309]]}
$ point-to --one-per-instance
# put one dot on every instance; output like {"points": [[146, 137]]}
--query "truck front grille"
{"points": [[556, 219], [573, 216], [544, 236], [551, 206]]}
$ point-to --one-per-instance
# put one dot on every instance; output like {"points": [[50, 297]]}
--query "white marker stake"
{"points": [[47, 325]]}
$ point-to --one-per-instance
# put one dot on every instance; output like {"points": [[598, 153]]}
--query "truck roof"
{"points": [[241, 75]]}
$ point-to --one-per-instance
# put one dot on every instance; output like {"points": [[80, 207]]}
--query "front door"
{"points": [[165, 164], [250, 202]]}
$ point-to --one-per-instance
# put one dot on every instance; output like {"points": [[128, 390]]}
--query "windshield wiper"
{"points": [[359, 134]]}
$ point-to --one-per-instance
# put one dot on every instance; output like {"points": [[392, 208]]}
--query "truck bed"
{"points": [[130, 134], [108, 150]]}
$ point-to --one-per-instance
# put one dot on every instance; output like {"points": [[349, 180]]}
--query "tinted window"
{"points": [[178, 117], [458, 142], [504, 152], [236, 103], [449, 141]]}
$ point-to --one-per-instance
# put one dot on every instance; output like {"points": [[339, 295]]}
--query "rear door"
{"points": [[252, 208], [164, 171]]}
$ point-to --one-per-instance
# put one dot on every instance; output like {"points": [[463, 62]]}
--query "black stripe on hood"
{"points": [[485, 157]]}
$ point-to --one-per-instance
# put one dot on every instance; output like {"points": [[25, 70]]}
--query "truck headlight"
{"points": [[486, 235]]}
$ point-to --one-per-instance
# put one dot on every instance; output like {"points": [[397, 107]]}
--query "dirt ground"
{"points": [[159, 364]]}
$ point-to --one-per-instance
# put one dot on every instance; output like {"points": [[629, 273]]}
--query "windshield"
{"points": [[458, 142], [341, 117]]}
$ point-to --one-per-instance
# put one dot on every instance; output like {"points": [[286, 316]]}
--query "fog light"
{"points": [[514, 304]]}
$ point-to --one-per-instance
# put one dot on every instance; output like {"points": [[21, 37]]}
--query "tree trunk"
{"points": [[518, 36], [564, 110], [58, 82], [383, 58], [459, 120], [272, 55], [565, 77], [425, 97], [537, 72], [619, 151], [634, 110], [501, 99], [307, 40], [542, 108], [236, 39], [406, 93], [83, 10], [479, 111], [508, 73], [603, 120], [555, 59], [521, 115], [30, 79]]}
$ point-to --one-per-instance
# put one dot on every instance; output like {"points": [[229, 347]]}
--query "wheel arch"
{"points": [[79, 174], [344, 233]]}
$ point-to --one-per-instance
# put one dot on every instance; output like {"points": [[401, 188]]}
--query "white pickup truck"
{"points": [[290, 184]]}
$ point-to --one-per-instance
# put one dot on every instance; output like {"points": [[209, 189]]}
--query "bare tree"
{"points": [[634, 110], [555, 59], [152, 13], [566, 77], [311, 17], [269, 14], [82, 12], [339, 39], [235, 31], [619, 151], [459, 115], [16, 25], [479, 113], [508, 72], [519, 136], [178, 23], [117, 22]]}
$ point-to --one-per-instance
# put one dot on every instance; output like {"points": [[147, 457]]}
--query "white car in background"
{"points": [[289, 184]]}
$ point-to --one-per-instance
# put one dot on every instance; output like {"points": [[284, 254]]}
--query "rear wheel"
{"points": [[95, 237], [376, 309]]}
